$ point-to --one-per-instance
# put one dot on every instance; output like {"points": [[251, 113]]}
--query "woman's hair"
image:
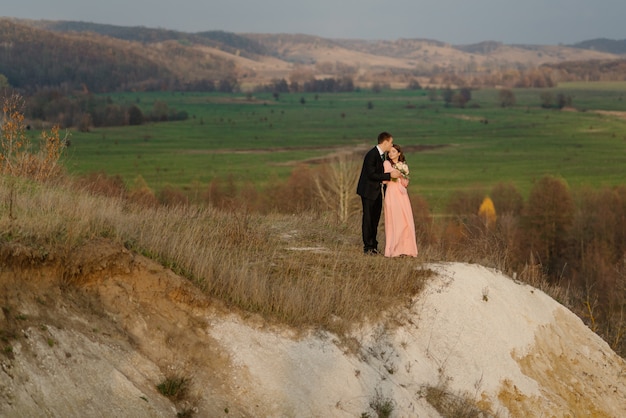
{"points": [[400, 153]]}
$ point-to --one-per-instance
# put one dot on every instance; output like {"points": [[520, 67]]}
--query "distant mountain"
{"points": [[226, 41], [102, 57], [127, 33], [32, 58], [75, 56], [603, 45], [486, 47]]}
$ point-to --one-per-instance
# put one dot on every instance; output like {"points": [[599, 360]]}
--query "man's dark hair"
{"points": [[383, 136]]}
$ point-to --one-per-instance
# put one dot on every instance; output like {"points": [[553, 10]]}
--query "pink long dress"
{"points": [[399, 224]]}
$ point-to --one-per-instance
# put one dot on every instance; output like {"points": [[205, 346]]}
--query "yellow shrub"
{"points": [[487, 212]]}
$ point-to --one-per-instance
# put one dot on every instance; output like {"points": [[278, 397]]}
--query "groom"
{"points": [[370, 190]]}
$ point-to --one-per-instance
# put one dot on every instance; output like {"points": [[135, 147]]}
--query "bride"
{"points": [[399, 224]]}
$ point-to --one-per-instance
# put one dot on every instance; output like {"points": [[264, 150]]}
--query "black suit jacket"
{"points": [[372, 175]]}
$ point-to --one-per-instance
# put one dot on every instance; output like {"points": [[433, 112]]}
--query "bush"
{"points": [[17, 156], [546, 222]]}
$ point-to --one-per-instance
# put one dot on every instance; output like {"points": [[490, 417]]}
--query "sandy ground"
{"points": [[472, 336]]}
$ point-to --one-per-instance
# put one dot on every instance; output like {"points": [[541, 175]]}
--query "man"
{"points": [[370, 190]]}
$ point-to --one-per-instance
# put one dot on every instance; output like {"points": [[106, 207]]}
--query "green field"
{"points": [[258, 139]]}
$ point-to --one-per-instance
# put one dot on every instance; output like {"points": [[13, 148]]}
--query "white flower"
{"points": [[403, 168]]}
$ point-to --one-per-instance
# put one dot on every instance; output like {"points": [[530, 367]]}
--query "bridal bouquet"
{"points": [[403, 168]]}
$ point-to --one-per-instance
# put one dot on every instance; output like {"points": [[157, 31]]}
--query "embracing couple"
{"points": [[383, 182]]}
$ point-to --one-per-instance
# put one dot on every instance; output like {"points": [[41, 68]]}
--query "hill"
{"points": [[103, 57], [112, 307], [418, 53], [227, 41], [34, 57], [611, 46], [473, 340]]}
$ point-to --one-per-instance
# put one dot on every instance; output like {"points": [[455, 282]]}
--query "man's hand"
{"points": [[395, 174]]}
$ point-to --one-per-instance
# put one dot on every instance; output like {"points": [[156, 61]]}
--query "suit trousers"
{"points": [[372, 208]]}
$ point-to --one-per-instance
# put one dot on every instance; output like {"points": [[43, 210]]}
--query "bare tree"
{"points": [[547, 219], [336, 187]]}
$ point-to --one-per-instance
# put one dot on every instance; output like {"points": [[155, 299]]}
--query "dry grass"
{"points": [[295, 269], [451, 405], [175, 388], [300, 270]]}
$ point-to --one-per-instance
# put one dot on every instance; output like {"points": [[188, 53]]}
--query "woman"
{"points": [[399, 224]]}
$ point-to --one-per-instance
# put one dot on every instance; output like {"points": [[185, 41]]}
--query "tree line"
{"points": [[84, 111], [66, 109]]}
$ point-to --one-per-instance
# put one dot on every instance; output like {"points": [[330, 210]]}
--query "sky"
{"points": [[543, 22]]}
